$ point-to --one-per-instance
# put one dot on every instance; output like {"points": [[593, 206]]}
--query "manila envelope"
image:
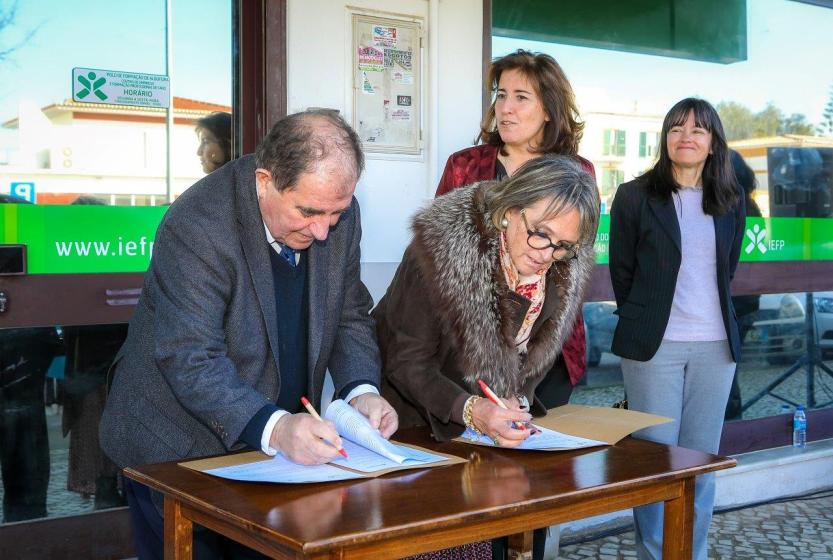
{"points": [[596, 422]]}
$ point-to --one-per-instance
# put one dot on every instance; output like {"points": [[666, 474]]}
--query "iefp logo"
{"points": [[757, 240]]}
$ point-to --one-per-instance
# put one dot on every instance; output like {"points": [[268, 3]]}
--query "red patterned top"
{"points": [[533, 289]]}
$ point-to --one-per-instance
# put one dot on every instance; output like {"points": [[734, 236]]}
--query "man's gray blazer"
{"points": [[201, 355]]}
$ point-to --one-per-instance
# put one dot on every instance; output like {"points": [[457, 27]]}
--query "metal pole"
{"points": [[810, 324], [169, 120]]}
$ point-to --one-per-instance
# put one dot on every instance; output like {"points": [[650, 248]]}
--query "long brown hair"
{"points": [[562, 133]]}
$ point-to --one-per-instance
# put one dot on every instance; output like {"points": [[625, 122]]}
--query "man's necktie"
{"points": [[288, 254]]}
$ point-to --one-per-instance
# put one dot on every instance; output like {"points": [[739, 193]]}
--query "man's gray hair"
{"points": [[558, 177], [300, 142]]}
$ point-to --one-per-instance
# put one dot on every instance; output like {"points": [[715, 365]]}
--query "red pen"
{"points": [[314, 414], [494, 398]]}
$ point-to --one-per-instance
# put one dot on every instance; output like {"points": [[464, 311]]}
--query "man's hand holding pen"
{"points": [[308, 439], [305, 440]]}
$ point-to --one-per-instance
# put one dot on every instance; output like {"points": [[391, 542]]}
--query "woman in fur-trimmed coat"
{"points": [[489, 288]]}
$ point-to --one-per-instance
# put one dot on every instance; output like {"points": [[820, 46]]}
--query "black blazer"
{"points": [[645, 255]]}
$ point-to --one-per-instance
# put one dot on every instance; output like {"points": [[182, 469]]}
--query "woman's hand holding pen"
{"points": [[497, 422], [305, 440]]}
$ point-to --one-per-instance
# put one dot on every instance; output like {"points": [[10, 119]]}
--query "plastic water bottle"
{"points": [[799, 428]]}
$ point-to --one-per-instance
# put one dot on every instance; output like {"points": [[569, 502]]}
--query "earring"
{"points": [[504, 223]]}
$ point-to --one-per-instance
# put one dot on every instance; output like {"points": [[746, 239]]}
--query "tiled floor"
{"points": [[796, 529], [604, 386]]}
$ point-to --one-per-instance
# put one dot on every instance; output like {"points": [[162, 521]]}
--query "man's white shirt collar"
{"points": [[276, 245]]}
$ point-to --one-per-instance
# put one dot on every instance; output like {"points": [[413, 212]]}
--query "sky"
{"points": [[127, 36], [789, 63]]}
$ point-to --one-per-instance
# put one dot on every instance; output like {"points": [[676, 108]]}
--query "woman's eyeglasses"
{"points": [[561, 250]]}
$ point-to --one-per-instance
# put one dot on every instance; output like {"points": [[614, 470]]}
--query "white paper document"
{"points": [[363, 459], [544, 440], [372, 451], [368, 452], [281, 469]]}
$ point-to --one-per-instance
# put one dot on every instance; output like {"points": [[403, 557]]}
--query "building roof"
{"points": [[186, 111], [786, 140]]}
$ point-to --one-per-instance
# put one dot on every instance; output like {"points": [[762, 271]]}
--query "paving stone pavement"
{"points": [[799, 529], [603, 386]]}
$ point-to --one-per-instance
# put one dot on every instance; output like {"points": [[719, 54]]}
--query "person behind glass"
{"points": [[214, 134], [745, 306], [534, 113], [489, 288], [25, 356], [89, 351], [675, 238]]}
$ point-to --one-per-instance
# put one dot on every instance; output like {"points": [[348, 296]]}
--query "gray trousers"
{"points": [[689, 382]]}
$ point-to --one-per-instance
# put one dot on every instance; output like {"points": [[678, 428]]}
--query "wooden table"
{"points": [[497, 493]]}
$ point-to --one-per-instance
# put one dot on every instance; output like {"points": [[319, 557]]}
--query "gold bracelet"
{"points": [[467, 414]]}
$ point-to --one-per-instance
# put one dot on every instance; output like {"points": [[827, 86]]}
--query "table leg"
{"points": [[178, 531], [678, 528], [520, 546]]}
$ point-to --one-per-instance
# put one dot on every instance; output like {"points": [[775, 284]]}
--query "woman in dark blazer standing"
{"points": [[675, 238]]}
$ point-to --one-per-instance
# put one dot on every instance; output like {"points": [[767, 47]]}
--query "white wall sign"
{"points": [[113, 87]]}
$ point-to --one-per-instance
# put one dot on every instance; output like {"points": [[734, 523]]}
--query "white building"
{"points": [[621, 145], [116, 153]]}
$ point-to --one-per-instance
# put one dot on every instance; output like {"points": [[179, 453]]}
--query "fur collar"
{"points": [[456, 246]]}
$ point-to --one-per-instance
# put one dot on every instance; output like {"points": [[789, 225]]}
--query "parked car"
{"points": [[776, 332], [599, 324]]}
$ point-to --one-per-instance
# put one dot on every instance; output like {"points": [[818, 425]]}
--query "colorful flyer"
{"points": [[367, 87], [401, 58], [384, 36], [371, 59]]}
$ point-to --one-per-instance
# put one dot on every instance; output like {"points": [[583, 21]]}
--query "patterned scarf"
{"points": [[531, 287]]}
